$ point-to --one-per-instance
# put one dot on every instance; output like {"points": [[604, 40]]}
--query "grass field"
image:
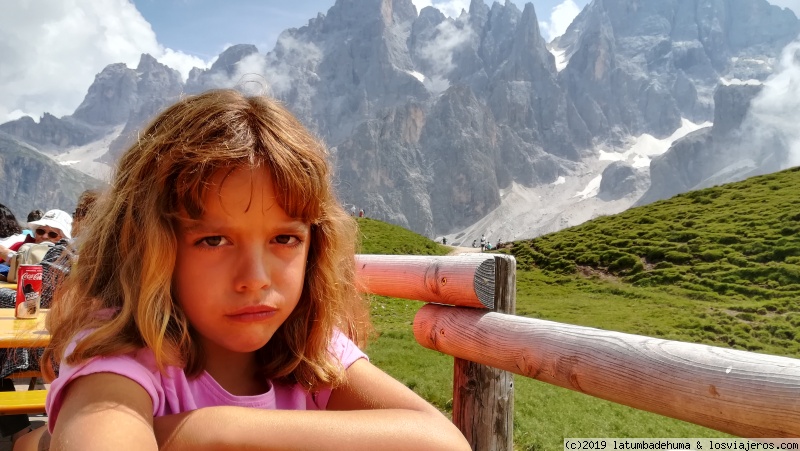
{"points": [[718, 266], [544, 414]]}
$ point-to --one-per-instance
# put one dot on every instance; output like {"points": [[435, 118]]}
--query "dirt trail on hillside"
{"points": [[463, 250]]}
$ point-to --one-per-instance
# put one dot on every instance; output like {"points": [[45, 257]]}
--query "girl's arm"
{"points": [[104, 411], [371, 411]]}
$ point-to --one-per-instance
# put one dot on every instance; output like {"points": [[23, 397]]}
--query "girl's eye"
{"points": [[212, 241], [287, 239]]}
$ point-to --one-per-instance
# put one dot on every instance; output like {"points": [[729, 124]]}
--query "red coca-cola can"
{"points": [[29, 291]]}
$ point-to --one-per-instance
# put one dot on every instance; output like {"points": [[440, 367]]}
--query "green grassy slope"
{"points": [[728, 256], [378, 237]]}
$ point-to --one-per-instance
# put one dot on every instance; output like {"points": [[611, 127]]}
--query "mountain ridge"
{"points": [[430, 119]]}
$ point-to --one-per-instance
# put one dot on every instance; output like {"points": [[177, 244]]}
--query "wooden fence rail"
{"points": [[742, 393], [467, 280]]}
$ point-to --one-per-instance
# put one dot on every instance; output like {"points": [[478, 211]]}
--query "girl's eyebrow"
{"points": [[199, 226]]}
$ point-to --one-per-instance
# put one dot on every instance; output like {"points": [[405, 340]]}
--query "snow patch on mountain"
{"points": [[641, 149], [736, 81], [528, 212], [592, 188], [83, 157], [561, 58], [417, 75]]}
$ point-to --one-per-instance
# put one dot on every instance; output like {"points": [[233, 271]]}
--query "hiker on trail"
{"points": [[257, 319], [361, 213], [483, 243], [353, 210], [444, 240], [473, 242]]}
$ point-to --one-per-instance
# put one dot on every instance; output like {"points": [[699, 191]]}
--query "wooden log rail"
{"points": [[483, 396], [742, 393], [467, 280]]}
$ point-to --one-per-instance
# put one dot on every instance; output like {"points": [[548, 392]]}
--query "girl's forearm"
{"points": [[243, 428]]}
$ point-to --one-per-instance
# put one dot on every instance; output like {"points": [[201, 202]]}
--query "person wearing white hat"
{"points": [[54, 226]]}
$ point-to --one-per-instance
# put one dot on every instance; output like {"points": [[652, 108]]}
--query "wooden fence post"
{"points": [[483, 397]]}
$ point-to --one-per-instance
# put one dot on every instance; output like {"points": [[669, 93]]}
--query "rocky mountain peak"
{"points": [[529, 48], [111, 96], [227, 60], [221, 72], [435, 121], [358, 14], [147, 63], [731, 104], [684, 47], [156, 79], [478, 13]]}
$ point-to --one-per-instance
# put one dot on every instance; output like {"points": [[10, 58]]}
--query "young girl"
{"points": [[213, 305]]}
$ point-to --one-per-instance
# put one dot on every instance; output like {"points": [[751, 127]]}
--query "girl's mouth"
{"points": [[253, 313]]}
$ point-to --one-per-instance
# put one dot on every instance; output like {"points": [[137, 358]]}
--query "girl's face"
{"points": [[240, 268]]}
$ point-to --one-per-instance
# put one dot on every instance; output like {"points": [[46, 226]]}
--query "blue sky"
{"points": [[205, 27]]}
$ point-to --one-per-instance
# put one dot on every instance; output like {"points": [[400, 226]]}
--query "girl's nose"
{"points": [[252, 271]]}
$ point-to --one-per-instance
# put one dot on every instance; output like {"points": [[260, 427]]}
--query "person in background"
{"points": [[54, 226], [10, 229], [58, 259], [34, 215], [55, 266], [85, 205], [10, 236], [215, 304], [9, 226]]}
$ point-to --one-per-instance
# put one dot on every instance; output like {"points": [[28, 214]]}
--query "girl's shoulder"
{"points": [[171, 391], [344, 349], [139, 366]]}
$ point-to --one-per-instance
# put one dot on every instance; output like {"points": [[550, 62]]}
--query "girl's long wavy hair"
{"points": [[128, 245]]}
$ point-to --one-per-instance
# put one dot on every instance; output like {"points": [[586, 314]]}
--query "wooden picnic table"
{"points": [[22, 333]]}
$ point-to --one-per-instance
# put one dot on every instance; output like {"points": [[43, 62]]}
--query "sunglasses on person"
{"points": [[53, 235]]}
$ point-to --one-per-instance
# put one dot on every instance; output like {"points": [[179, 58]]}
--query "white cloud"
{"points": [[450, 8], [560, 17], [250, 75], [180, 61], [439, 53], [775, 112], [52, 49], [794, 5]]}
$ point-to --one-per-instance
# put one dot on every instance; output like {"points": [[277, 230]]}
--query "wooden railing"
{"points": [[741, 393]]}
